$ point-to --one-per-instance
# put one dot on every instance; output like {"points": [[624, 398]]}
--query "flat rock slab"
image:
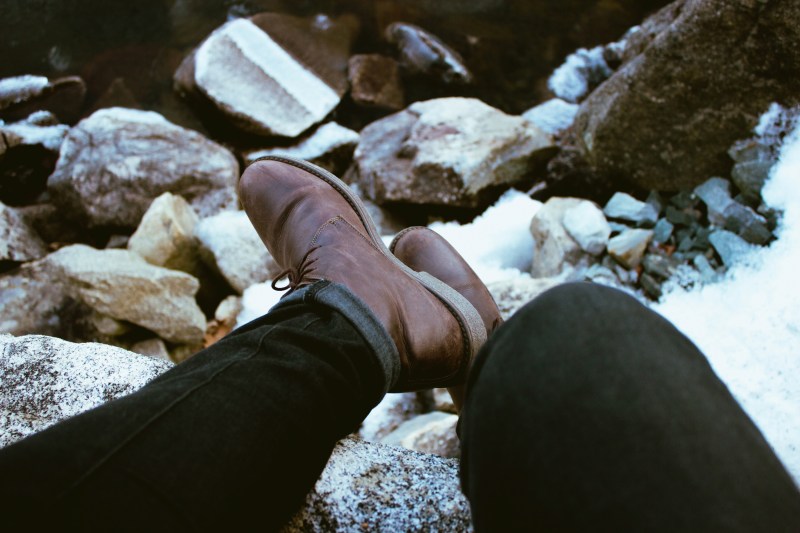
{"points": [[446, 151], [272, 74], [116, 162], [364, 487]]}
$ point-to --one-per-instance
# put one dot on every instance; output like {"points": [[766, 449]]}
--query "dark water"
{"points": [[129, 50]]}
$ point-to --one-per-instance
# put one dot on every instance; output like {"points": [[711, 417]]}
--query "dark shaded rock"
{"points": [[666, 124], [680, 217], [725, 212], [662, 231], [272, 74], [650, 286], [375, 81], [447, 151], [659, 265], [421, 52], [19, 243], [116, 162], [580, 74], [23, 95]]}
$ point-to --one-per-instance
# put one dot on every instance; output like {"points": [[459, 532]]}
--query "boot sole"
{"points": [[472, 327]]}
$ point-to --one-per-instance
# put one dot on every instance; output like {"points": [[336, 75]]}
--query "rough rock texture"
{"points": [[434, 432], [373, 487], [375, 81], [512, 294], [421, 52], [365, 486], [695, 80], [230, 244], [554, 250], [22, 95], [272, 74], [44, 380], [330, 146], [31, 301], [18, 241], [165, 236], [114, 163], [446, 151], [122, 285]]}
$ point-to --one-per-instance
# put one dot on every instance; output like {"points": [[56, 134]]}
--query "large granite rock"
{"points": [[122, 285], [230, 245], [695, 78], [18, 241], [116, 162], [272, 74], [446, 151], [44, 380], [365, 486]]}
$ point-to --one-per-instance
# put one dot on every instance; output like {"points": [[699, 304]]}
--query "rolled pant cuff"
{"points": [[341, 299]]}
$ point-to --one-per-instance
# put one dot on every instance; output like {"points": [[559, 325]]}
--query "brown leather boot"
{"points": [[317, 229], [424, 250]]}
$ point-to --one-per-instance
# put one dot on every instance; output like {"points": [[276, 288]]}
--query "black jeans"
{"points": [[585, 411]]}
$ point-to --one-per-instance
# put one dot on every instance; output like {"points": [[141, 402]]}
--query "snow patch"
{"points": [[580, 73], [553, 116], [19, 88], [327, 138]]}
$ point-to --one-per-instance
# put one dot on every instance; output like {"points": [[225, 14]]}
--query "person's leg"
{"points": [[233, 438], [587, 411]]}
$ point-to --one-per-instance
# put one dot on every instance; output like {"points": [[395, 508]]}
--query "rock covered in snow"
{"points": [[120, 284], [40, 128], [272, 74], [629, 246], [623, 206], [18, 241], [375, 81], [44, 380], [165, 236], [446, 151], [555, 251], [116, 162], [230, 245], [582, 71], [330, 146], [664, 124], [434, 432], [22, 95], [553, 116], [374, 487], [586, 224], [421, 52]]}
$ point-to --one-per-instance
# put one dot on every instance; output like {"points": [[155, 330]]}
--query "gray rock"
{"points": [[746, 223], [586, 224], [373, 487], [421, 52], [390, 413], [375, 81], [122, 285], [651, 287], [18, 241], [116, 162], [750, 177], [707, 272], [32, 301], [152, 348], [231, 246], [512, 294], [553, 116], [446, 151], [272, 74], [623, 206], [628, 247], [330, 146], [603, 275], [44, 380], [662, 231], [554, 250], [716, 194], [659, 266], [165, 236], [433, 432], [729, 246]]}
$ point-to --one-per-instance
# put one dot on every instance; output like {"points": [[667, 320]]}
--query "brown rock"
{"points": [[63, 97], [705, 72], [375, 81]]}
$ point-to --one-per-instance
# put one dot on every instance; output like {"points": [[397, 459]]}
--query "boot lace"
{"points": [[297, 276]]}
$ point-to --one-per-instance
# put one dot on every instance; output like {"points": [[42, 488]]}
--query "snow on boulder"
{"points": [[122, 285], [116, 162], [553, 116], [272, 74], [44, 380], [446, 151]]}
